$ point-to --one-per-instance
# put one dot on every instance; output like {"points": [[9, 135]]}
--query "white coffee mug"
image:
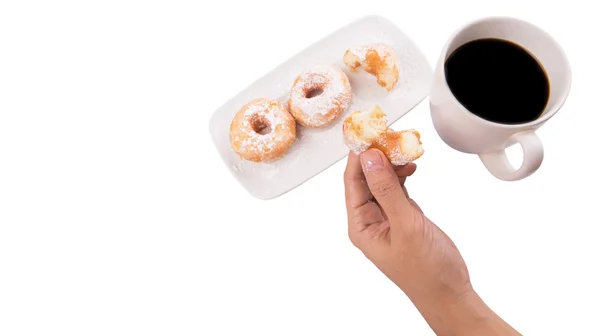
{"points": [[468, 133]]}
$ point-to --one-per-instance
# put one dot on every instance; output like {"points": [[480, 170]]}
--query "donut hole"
{"points": [[261, 125], [314, 93]]}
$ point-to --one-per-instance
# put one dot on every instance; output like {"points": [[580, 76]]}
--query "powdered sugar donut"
{"points": [[262, 130], [400, 147], [377, 59], [368, 129], [319, 95], [360, 128]]}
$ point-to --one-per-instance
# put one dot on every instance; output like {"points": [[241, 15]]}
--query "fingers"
{"points": [[405, 191], [415, 205], [405, 170], [356, 189], [364, 216], [364, 220], [385, 185]]}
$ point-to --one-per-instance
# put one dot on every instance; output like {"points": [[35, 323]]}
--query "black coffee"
{"points": [[498, 81]]}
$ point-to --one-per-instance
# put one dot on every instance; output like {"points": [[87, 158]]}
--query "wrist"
{"points": [[454, 312]]}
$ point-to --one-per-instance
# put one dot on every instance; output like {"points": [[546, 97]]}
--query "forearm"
{"points": [[464, 315]]}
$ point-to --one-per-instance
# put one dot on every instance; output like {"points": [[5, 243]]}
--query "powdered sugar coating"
{"points": [[358, 146], [324, 108], [251, 145]]}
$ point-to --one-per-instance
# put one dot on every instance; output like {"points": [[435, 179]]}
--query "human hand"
{"points": [[393, 232]]}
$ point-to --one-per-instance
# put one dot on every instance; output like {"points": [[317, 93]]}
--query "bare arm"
{"points": [[463, 315]]}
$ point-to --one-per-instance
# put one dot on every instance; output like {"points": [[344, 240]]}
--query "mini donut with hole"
{"points": [[262, 130], [319, 95]]}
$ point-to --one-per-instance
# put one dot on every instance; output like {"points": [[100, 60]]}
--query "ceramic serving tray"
{"points": [[314, 150]]}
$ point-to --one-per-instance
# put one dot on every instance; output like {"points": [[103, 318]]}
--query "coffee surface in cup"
{"points": [[498, 80]]}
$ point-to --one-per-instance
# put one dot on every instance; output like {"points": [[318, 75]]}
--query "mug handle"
{"points": [[533, 154]]}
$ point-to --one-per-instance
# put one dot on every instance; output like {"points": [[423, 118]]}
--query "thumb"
{"points": [[384, 185]]}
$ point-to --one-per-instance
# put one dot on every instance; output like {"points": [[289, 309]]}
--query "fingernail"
{"points": [[371, 160]]}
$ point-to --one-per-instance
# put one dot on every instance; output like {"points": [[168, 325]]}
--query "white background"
{"points": [[117, 216]]}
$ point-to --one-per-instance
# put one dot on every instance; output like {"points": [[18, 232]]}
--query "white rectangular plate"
{"points": [[317, 149]]}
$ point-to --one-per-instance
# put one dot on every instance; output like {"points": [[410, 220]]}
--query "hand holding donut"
{"points": [[393, 232]]}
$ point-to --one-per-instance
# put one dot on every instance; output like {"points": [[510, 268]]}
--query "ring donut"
{"points": [[262, 130], [319, 95]]}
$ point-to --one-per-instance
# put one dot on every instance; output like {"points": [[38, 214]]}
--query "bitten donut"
{"points": [[319, 95], [377, 59], [360, 129], [368, 129], [400, 147], [262, 130]]}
